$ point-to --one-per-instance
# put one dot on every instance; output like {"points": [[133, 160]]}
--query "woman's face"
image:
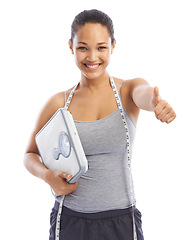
{"points": [[92, 49]]}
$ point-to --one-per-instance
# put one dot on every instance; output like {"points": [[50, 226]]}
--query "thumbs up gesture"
{"points": [[162, 109]]}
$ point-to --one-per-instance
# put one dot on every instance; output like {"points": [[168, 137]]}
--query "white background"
{"points": [[154, 41]]}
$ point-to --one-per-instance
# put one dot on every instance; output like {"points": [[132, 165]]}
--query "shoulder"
{"points": [[67, 92], [135, 82], [118, 82], [55, 102], [127, 88], [130, 85], [58, 100], [130, 82], [48, 110]]}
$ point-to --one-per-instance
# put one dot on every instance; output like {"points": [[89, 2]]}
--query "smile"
{"points": [[92, 66]]}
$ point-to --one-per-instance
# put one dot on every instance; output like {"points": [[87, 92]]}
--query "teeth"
{"points": [[92, 66]]}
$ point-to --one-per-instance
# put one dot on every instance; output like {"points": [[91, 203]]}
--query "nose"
{"points": [[92, 56]]}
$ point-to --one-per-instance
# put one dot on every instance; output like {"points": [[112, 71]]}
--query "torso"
{"points": [[87, 106], [105, 149]]}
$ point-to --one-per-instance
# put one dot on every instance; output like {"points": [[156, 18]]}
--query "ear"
{"points": [[71, 46], [113, 46]]}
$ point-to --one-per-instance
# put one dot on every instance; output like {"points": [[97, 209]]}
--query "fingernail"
{"points": [[69, 176]]}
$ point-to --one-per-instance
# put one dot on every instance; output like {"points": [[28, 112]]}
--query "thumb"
{"points": [[156, 95]]}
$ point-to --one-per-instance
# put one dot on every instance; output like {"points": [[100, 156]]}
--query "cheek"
{"points": [[78, 57], [106, 56]]}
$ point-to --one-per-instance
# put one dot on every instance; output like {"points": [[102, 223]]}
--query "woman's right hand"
{"points": [[57, 181]]}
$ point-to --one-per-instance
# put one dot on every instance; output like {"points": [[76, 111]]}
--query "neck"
{"points": [[94, 84]]}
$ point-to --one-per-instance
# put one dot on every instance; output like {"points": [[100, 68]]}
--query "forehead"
{"points": [[92, 32]]}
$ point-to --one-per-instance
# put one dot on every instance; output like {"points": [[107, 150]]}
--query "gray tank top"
{"points": [[106, 185]]}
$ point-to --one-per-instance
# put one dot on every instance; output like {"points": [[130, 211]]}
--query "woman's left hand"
{"points": [[162, 109]]}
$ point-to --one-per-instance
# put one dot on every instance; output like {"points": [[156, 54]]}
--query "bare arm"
{"points": [[147, 98], [32, 160]]}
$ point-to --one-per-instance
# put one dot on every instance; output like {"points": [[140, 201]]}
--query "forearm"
{"points": [[56, 179], [143, 97], [35, 166], [148, 98]]}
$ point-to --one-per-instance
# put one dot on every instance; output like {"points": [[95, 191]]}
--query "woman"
{"points": [[99, 205]]}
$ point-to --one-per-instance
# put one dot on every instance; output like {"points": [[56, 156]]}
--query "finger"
{"points": [[70, 187], [164, 112], [166, 117], [156, 96], [75, 185], [171, 119], [159, 108], [66, 188], [156, 92], [65, 175]]}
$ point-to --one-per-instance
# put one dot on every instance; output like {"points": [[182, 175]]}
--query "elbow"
{"points": [[141, 97], [25, 159], [28, 158]]}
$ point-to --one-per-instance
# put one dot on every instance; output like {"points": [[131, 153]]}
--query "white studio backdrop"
{"points": [[155, 42]]}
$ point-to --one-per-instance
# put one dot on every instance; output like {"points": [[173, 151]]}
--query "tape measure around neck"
{"points": [[123, 118], [70, 97], [120, 106], [118, 100]]}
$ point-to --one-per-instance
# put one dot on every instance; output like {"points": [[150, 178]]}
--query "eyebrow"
{"points": [[82, 43], [100, 43]]}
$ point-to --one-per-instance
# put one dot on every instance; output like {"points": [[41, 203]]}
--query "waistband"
{"points": [[97, 215]]}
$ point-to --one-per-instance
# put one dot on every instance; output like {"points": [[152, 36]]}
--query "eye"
{"points": [[102, 48], [82, 48]]}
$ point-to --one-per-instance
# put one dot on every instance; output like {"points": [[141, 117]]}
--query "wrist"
{"points": [[46, 175], [152, 105]]}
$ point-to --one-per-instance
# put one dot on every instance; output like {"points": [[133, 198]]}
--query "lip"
{"points": [[92, 67]]}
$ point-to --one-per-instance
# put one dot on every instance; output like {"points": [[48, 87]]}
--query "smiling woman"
{"points": [[92, 48], [105, 111]]}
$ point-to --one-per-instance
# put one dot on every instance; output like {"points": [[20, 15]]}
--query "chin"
{"points": [[93, 75]]}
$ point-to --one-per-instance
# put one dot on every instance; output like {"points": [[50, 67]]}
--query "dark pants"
{"points": [[108, 225]]}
